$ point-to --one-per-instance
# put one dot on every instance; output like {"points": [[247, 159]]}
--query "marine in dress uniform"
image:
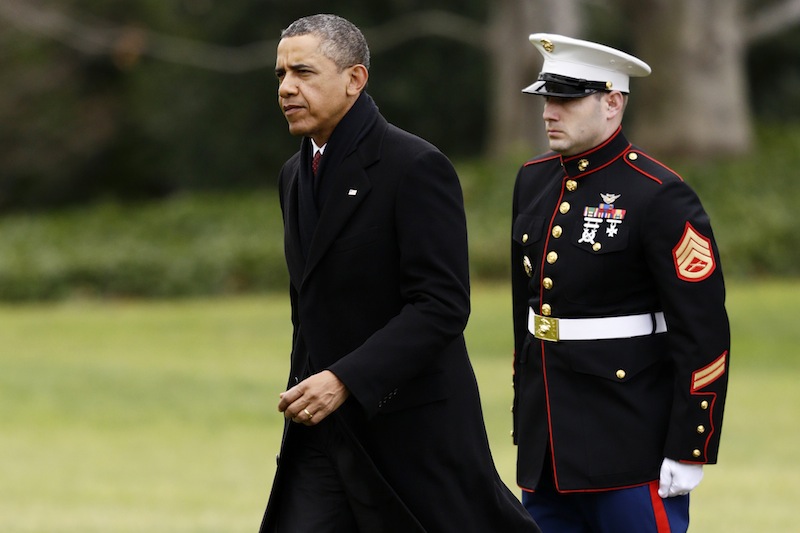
{"points": [[621, 337]]}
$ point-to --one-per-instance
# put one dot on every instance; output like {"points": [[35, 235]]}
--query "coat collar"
{"points": [[596, 158], [357, 145]]}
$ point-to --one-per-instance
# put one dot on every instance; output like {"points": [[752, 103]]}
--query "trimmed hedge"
{"points": [[228, 243], [190, 245]]}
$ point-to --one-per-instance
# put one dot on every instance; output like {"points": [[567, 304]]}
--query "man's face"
{"points": [[574, 125], [312, 92]]}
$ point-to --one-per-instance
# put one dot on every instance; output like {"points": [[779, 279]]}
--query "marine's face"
{"points": [[312, 92], [574, 125]]}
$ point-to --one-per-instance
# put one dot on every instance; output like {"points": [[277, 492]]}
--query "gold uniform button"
{"points": [[704, 405], [547, 283], [696, 453], [546, 310], [583, 164], [621, 374], [526, 263], [552, 257], [524, 238], [572, 185], [564, 208], [701, 429], [596, 246], [633, 156], [557, 231]]}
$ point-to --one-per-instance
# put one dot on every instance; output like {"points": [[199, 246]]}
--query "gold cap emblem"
{"points": [[547, 45]]}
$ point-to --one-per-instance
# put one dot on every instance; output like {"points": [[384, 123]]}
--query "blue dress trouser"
{"points": [[632, 510]]}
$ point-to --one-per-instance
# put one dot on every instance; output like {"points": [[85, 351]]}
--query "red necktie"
{"points": [[315, 162]]}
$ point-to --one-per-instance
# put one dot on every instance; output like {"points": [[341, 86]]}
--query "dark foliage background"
{"points": [[124, 175], [76, 127]]}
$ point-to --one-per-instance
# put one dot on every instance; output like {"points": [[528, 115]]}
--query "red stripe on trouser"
{"points": [[659, 511]]}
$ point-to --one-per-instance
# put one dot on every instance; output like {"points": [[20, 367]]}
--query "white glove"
{"points": [[677, 479]]}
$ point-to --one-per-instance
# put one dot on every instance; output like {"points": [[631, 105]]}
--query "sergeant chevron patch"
{"points": [[709, 374], [694, 259]]}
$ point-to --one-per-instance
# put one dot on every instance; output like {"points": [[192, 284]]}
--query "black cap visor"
{"points": [[564, 86]]}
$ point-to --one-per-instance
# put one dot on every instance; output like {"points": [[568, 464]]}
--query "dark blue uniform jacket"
{"points": [[613, 232]]}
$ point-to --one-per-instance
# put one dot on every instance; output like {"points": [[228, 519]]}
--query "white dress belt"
{"points": [[586, 329]]}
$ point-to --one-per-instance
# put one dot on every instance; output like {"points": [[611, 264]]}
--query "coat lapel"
{"points": [[292, 247], [350, 187]]}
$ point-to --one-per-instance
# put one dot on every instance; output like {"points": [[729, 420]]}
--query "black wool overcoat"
{"points": [[381, 298]]}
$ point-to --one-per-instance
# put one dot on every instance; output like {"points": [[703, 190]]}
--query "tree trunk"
{"points": [[515, 123], [695, 102]]}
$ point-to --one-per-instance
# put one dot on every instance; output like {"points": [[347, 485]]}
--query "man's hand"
{"points": [[313, 399], [677, 479]]}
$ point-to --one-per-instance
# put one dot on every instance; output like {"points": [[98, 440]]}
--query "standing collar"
{"points": [[597, 157]]}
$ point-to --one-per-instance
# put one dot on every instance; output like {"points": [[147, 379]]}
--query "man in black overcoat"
{"points": [[384, 430]]}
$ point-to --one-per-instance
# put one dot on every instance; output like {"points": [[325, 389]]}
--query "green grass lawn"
{"points": [[120, 416]]}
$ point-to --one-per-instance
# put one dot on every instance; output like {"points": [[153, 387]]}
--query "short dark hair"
{"points": [[340, 40]]}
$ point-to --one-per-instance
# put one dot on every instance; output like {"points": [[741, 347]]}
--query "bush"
{"points": [[189, 245], [211, 244]]}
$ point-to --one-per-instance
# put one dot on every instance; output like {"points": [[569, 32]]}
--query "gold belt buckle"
{"points": [[545, 328]]}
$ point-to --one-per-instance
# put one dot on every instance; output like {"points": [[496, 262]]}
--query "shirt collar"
{"points": [[315, 148]]}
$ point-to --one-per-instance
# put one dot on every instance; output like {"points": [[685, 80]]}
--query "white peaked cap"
{"points": [[579, 60]]}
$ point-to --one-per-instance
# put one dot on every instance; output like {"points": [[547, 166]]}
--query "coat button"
{"points": [[547, 283], [621, 374], [552, 257], [596, 246], [704, 405], [557, 231], [701, 429], [564, 208], [583, 164], [547, 310], [572, 185], [524, 238], [633, 156], [696, 453]]}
